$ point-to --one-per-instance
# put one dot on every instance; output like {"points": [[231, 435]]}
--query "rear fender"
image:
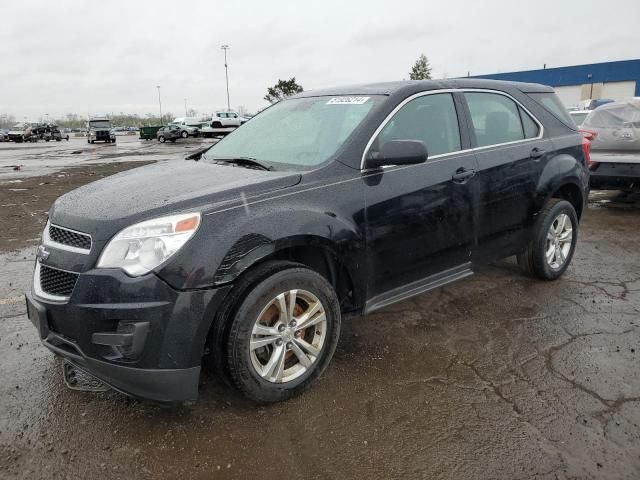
{"points": [[559, 171]]}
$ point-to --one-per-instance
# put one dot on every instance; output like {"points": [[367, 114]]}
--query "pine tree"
{"points": [[421, 70]]}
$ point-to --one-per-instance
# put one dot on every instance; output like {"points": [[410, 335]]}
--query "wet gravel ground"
{"points": [[497, 376], [20, 160]]}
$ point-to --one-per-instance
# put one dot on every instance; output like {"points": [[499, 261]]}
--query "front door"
{"points": [[420, 218]]}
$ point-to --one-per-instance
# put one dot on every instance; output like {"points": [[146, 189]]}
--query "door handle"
{"points": [[462, 175], [536, 153]]}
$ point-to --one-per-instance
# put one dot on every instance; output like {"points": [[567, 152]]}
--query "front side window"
{"points": [[431, 119], [300, 133]]}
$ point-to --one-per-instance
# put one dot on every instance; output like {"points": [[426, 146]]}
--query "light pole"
{"points": [[159, 103], [226, 72], [185, 107]]}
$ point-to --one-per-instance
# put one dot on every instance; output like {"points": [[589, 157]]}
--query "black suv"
{"points": [[247, 255]]}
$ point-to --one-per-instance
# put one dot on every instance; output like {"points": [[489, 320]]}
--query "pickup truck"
{"points": [[615, 148]]}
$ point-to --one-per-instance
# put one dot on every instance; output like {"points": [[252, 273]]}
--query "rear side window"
{"points": [[495, 118], [552, 103], [431, 119]]}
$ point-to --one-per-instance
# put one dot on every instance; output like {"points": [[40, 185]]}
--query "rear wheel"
{"points": [[283, 331], [216, 125], [161, 139], [554, 241], [184, 134]]}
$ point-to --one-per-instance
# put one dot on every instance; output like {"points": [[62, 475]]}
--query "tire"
{"points": [[184, 134], [88, 141], [216, 125], [534, 260], [255, 296], [113, 141], [161, 139], [93, 141]]}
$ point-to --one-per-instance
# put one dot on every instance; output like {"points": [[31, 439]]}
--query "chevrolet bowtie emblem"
{"points": [[42, 253]]}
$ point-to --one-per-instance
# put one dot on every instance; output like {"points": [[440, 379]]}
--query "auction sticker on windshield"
{"points": [[347, 100]]}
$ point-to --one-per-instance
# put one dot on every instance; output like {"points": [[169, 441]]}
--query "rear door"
{"points": [[419, 218], [510, 152]]}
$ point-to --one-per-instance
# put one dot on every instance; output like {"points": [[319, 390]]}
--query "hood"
{"points": [[107, 206]]}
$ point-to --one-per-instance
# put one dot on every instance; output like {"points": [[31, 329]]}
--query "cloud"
{"points": [[103, 57]]}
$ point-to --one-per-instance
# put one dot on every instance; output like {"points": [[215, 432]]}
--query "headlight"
{"points": [[140, 248]]}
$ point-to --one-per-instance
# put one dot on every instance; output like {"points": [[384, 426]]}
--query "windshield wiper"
{"points": [[244, 161]]}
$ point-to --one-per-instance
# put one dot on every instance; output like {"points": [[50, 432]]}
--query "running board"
{"points": [[418, 287]]}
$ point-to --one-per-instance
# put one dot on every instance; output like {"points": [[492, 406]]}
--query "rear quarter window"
{"points": [[552, 104]]}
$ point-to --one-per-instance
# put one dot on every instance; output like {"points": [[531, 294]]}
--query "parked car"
{"points": [[225, 119], [615, 158], [20, 132], [171, 133], [328, 203], [58, 135], [189, 125], [4, 135], [100, 129], [578, 116]]}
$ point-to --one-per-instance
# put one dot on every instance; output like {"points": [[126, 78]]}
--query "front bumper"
{"points": [[138, 335], [614, 176]]}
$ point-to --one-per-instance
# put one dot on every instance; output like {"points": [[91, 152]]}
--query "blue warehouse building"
{"points": [[615, 80]]}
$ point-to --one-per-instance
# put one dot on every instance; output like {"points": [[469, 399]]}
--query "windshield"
{"points": [[20, 126], [301, 132], [100, 124]]}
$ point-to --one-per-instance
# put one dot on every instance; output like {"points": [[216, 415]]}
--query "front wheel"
{"points": [[161, 139], [553, 243], [184, 134], [283, 333]]}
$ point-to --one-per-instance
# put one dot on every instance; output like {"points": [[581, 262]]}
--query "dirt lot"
{"points": [[498, 376]]}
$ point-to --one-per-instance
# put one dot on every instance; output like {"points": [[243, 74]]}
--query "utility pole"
{"points": [[225, 47], [185, 107], [160, 103]]}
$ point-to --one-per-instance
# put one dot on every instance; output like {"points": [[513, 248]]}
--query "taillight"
{"points": [[588, 136]]}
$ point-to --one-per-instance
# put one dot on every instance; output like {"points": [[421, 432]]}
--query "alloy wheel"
{"points": [[559, 240], [288, 335]]}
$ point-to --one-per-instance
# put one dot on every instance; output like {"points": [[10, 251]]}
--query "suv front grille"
{"points": [[69, 237], [57, 282]]}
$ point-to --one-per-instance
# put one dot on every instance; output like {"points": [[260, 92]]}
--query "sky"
{"points": [[90, 57]]}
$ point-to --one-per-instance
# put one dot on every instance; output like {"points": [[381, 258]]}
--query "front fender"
{"points": [[230, 242], [276, 232]]}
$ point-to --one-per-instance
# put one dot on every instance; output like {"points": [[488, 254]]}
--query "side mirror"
{"points": [[398, 152]]}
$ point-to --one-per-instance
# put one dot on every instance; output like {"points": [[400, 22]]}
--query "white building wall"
{"points": [[573, 95], [619, 90]]}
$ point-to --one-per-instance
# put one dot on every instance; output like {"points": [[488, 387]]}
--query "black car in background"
{"points": [[333, 202]]}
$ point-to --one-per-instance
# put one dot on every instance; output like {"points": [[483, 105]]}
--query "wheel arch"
{"points": [[563, 177], [320, 254]]}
